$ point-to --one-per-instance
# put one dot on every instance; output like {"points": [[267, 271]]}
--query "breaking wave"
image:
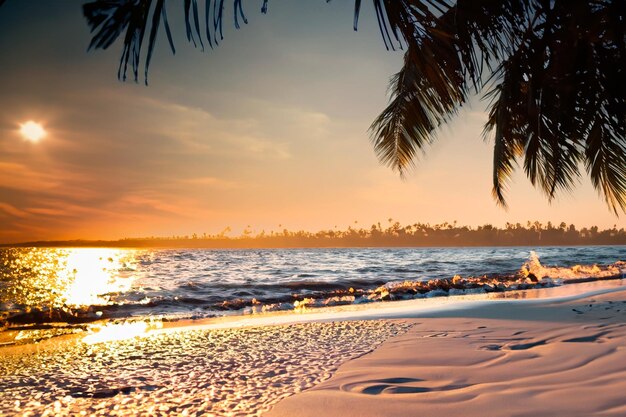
{"points": [[303, 290]]}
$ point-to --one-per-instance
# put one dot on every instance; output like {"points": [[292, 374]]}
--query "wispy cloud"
{"points": [[211, 182], [12, 211], [22, 177]]}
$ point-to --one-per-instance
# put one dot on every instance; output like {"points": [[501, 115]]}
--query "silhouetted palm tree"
{"points": [[554, 72]]}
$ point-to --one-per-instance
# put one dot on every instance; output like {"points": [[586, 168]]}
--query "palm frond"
{"points": [[110, 19], [564, 102], [606, 164], [425, 93], [406, 125], [238, 12], [449, 44], [218, 14], [193, 26], [507, 147], [357, 11], [159, 11], [478, 28], [553, 71]]}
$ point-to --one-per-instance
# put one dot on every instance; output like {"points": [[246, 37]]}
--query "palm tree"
{"points": [[552, 70]]}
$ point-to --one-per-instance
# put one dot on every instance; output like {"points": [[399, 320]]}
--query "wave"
{"points": [[577, 273], [343, 284], [298, 295], [532, 274]]}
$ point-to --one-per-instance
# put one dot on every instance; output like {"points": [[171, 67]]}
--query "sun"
{"points": [[32, 131]]}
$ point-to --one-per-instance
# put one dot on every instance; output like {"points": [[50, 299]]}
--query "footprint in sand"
{"points": [[525, 346], [110, 392], [491, 347], [587, 339], [442, 334], [394, 386]]}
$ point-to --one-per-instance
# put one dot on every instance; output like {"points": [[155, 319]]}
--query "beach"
{"points": [[231, 371], [556, 358], [299, 208], [559, 354]]}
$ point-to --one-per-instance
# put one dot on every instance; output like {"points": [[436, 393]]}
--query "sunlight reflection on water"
{"points": [[57, 278], [94, 273], [78, 285]]}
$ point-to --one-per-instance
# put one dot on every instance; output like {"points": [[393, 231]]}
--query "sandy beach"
{"points": [[313, 208], [560, 355], [551, 358]]}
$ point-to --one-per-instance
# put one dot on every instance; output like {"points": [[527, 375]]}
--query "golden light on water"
{"points": [[32, 131], [93, 274], [59, 278]]}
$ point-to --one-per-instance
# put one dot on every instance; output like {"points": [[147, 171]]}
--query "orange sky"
{"points": [[269, 129]]}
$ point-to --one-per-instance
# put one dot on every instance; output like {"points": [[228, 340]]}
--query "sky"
{"points": [[270, 130]]}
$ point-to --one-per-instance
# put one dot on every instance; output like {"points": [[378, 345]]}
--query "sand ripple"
{"points": [[554, 358]]}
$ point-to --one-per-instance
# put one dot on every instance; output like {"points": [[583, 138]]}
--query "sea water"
{"points": [[83, 284]]}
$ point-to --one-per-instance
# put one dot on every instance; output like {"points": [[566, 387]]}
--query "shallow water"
{"points": [[123, 283]]}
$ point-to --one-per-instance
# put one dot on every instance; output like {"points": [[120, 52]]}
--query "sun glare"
{"points": [[93, 274], [32, 131]]}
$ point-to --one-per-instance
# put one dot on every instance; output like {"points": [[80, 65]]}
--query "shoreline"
{"points": [[532, 280], [332, 362], [119, 329]]}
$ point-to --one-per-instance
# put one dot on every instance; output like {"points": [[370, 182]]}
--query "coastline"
{"points": [[332, 362], [95, 285], [42, 336], [250, 244]]}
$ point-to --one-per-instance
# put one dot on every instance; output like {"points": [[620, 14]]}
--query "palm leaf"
{"points": [[110, 19], [606, 164], [563, 103], [405, 125], [449, 47], [553, 72]]}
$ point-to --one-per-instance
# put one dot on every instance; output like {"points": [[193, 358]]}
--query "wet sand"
{"points": [[552, 358], [222, 372]]}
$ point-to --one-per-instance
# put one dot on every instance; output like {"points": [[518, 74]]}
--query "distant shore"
{"points": [[236, 243], [394, 235]]}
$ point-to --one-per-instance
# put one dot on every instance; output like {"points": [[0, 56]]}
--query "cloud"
{"points": [[21, 177], [198, 131], [12, 211], [211, 182]]}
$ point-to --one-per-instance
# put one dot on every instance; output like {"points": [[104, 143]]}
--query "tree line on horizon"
{"points": [[393, 235]]}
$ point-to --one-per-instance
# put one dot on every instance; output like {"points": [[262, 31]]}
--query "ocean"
{"points": [[86, 330], [84, 284]]}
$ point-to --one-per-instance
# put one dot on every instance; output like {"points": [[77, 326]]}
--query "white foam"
{"points": [[577, 272], [409, 308]]}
